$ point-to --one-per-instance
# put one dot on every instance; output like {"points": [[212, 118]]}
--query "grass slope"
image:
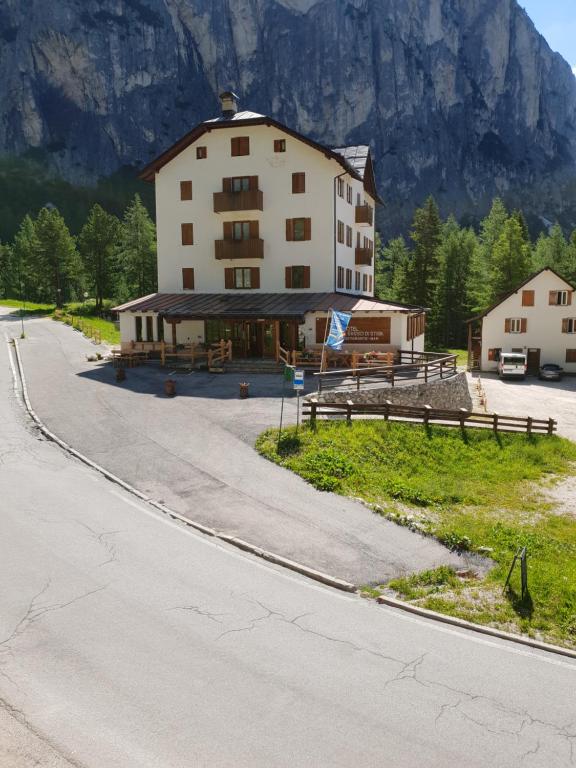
{"points": [[83, 311], [479, 494]]}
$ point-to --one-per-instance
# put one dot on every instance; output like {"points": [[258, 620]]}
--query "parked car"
{"points": [[550, 372], [512, 364]]}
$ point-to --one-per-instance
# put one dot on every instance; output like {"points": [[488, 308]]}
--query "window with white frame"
{"points": [[515, 325]]}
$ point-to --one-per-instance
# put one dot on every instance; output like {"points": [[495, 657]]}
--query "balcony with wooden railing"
{"points": [[249, 200], [364, 214], [240, 249], [363, 256]]}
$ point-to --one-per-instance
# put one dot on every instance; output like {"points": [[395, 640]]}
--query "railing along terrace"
{"points": [[423, 366]]}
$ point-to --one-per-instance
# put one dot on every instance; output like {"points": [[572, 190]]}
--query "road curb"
{"points": [[479, 628], [271, 557]]}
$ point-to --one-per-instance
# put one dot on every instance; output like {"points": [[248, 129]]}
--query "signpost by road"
{"points": [[288, 375], [298, 384]]}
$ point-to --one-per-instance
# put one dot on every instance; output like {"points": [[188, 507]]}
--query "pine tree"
{"points": [[451, 305], [553, 251], [511, 260], [25, 257], [9, 277], [58, 264], [421, 271], [392, 257], [491, 229], [137, 250], [97, 244]]}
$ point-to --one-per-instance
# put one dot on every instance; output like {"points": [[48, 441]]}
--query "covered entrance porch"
{"points": [[260, 338]]}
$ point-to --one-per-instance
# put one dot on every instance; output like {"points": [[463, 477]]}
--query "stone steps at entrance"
{"points": [[256, 365]]}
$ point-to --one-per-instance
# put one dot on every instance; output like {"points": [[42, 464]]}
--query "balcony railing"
{"points": [[364, 256], [251, 200], [364, 214], [240, 249]]}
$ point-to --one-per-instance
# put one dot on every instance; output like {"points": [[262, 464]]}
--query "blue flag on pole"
{"points": [[338, 325]]}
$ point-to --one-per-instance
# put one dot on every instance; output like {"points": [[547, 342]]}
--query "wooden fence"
{"points": [[82, 325], [462, 418]]}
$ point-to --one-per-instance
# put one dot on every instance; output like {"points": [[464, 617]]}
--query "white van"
{"points": [[512, 364]]}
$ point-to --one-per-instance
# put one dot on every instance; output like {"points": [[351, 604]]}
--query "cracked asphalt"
{"points": [[128, 641], [195, 453]]}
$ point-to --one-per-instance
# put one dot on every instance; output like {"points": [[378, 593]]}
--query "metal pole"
{"points": [[297, 410], [281, 414]]}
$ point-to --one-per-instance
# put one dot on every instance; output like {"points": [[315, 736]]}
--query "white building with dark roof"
{"points": [[537, 319], [261, 231]]}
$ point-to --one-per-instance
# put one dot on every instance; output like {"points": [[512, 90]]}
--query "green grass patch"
{"points": [[478, 494], [27, 307], [84, 314]]}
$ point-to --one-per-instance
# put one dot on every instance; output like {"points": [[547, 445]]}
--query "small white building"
{"points": [[538, 319], [261, 231]]}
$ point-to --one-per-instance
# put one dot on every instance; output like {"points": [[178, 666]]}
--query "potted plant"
{"points": [[244, 390]]}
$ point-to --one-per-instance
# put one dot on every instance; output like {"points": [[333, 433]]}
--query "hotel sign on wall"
{"points": [[362, 330]]}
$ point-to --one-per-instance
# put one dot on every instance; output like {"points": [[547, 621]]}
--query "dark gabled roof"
{"points": [[359, 167], [518, 288], [243, 305]]}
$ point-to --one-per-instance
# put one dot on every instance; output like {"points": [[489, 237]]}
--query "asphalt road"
{"points": [[195, 453], [127, 641]]}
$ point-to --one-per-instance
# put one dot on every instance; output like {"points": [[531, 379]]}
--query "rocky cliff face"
{"points": [[461, 98]]}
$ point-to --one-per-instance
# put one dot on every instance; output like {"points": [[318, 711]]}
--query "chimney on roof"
{"points": [[229, 102]]}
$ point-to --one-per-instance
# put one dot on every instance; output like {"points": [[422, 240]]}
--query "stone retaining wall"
{"points": [[452, 394]]}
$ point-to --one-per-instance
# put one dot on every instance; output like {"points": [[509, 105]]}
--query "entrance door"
{"points": [[533, 361], [254, 339]]}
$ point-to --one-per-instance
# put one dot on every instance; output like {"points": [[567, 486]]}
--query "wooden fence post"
{"points": [[495, 423], [313, 406], [427, 409], [425, 373], [387, 405], [529, 426], [550, 426], [349, 405]]}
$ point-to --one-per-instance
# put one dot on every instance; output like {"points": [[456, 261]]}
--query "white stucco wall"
{"points": [[544, 324], [274, 171]]}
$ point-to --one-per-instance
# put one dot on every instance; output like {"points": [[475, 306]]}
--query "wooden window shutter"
{"points": [[491, 354], [188, 278], [228, 230], [187, 234], [288, 277], [307, 229], [552, 297], [306, 277], [253, 183], [229, 277], [565, 325], [234, 147], [244, 145], [569, 299], [254, 230], [185, 190], [523, 325], [507, 325], [255, 277], [298, 183], [527, 298], [571, 355], [289, 230], [226, 185]]}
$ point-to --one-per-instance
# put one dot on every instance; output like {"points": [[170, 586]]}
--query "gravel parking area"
{"points": [[532, 397]]}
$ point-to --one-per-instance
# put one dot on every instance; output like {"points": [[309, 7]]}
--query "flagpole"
{"points": [[326, 332]]}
